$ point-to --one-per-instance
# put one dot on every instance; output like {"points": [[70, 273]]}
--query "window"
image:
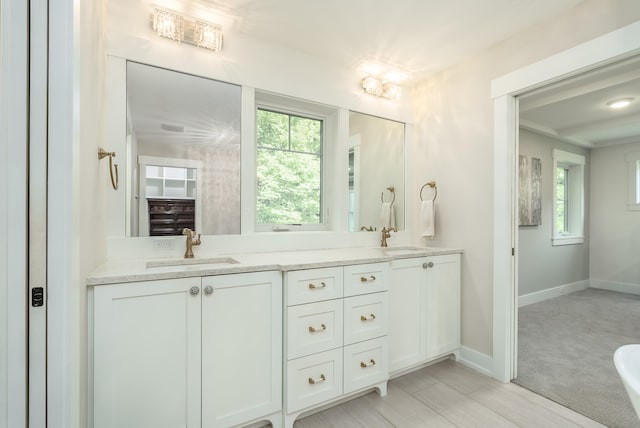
{"points": [[568, 209], [633, 160], [562, 199], [289, 169]]}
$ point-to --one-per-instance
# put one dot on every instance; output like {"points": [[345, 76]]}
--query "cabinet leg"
{"points": [[290, 419], [382, 388]]}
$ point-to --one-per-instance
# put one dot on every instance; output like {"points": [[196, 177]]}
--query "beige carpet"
{"points": [[565, 352]]}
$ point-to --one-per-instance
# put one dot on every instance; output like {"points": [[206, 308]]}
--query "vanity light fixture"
{"points": [[380, 88], [372, 86], [198, 33], [207, 35], [621, 103], [168, 24], [391, 91]]}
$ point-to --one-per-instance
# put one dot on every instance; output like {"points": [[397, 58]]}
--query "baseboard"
{"points": [[550, 293], [476, 360], [621, 287]]}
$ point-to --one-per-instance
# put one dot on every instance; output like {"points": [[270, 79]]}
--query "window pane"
{"points": [[561, 186], [306, 134], [273, 129], [288, 187]]}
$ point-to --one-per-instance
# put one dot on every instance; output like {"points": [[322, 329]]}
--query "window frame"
{"points": [[633, 185], [304, 109], [574, 195]]}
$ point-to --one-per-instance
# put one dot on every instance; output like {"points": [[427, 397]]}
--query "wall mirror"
{"points": [[183, 153], [376, 172]]}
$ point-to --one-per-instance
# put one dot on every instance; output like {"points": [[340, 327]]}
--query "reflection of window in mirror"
{"points": [[633, 162]]}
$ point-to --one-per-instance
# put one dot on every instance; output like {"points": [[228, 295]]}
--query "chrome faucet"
{"points": [[386, 233], [191, 241]]}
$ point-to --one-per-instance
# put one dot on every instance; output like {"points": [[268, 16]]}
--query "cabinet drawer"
{"points": [[314, 327], [365, 317], [365, 278], [314, 379], [365, 364], [313, 285]]}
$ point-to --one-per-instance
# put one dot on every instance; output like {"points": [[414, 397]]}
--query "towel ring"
{"points": [[431, 184], [102, 153], [393, 192]]}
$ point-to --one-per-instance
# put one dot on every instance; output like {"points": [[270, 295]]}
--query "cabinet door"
{"points": [[443, 304], [241, 348], [146, 353], [407, 313]]}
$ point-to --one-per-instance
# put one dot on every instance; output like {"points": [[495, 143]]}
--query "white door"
{"points": [[241, 348], [13, 211], [407, 313], [38, 307], [146, 351], [443, 304]]}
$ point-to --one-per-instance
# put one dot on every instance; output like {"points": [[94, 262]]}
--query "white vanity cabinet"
{"points": [[336, 327], [189, 352], [424, 309]]}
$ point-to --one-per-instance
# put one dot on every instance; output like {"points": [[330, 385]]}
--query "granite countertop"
{"points": [[114, 272]]}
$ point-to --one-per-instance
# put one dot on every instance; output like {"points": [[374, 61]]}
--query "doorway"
{"points": [[568, 325], [607, 49]]}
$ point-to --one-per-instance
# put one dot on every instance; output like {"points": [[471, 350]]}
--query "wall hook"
{"points": [[102, 153]]}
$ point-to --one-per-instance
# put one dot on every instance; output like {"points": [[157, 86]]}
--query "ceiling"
{"points": [[397, 39], [576, 110]]}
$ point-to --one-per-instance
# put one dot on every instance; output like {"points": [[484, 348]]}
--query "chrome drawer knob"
{"points": [[208, 289], [194, 290], [427, 265]]}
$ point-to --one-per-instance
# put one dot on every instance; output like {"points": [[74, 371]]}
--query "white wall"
{"points": [[453, 144], [615, 231], [541, 265]]}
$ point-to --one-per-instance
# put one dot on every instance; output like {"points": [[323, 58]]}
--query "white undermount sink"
{"points": [[190, 262]]}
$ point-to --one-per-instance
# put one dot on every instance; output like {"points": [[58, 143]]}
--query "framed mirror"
{"points": [[183, 149], [376, 173]]}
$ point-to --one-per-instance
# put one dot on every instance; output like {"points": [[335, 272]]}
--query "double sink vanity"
{"points": [[243, 338]]}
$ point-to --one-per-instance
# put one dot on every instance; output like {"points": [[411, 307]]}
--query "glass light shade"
{"points": [[207, 36], [391, 91], [168, 24], [372, 86]]}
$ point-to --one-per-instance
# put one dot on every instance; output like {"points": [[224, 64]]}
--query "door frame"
{"points": [[606, 49]]}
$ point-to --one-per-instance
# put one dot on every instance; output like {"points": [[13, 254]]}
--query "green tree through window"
{"points": [[289, 168]]}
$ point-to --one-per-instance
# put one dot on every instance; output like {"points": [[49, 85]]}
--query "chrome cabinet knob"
{"points": [[208, 289], [426, 265], [194, 290]]}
